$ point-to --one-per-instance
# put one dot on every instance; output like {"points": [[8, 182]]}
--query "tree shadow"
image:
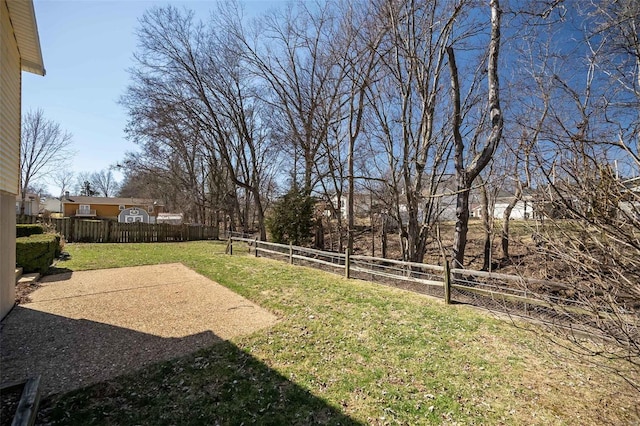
{"points": [[96, 373]]}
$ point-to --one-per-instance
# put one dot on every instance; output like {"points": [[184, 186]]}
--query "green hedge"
{"points": [[36, 252], [26, 230]]}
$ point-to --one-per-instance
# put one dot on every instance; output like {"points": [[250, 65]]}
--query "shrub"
{"points": [[36, 252], [292, 218], [26, 230]]}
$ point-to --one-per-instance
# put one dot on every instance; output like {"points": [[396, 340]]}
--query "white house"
{"points": [[51, 205], [522, 210], [31, 204]]}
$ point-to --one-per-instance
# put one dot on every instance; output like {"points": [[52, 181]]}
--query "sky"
{"points": [[87, 47]]}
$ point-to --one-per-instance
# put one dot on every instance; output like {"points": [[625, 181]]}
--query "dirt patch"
{"points": [[85, 327], [23, 291]]}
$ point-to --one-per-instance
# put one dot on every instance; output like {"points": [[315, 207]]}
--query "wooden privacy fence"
{"points": [[108, 231], [542, 300]]}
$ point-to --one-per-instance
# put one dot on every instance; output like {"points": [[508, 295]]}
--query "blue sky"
{"points": [[87, 46]]}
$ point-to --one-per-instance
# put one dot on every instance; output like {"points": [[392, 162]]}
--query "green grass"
{"points": [[344, 352]]}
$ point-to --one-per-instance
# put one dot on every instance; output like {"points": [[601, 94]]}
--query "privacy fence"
{"points": [[540, 300], [108, 231]]}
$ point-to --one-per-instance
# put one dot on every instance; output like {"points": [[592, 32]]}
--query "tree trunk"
{"points": [[215, 222], [462, 222], [505, 225], [383, 243], [319, 235], [260, 213], [466, 175], [488, 231], [350, 203]]}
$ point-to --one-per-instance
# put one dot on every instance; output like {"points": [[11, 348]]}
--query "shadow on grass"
{"points": [[96, 373]]}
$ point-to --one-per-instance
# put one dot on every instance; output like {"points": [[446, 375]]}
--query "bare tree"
{"points": [[63, 179], [105, 183], [296, 63], [465, 175], [581, 125], [45, 147], [204, 102], [405, 94]]}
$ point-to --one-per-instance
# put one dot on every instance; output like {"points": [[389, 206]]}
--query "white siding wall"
{"points": [[522, 210], [10, 80]]}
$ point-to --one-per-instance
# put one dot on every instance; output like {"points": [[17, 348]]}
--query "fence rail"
{"points": [[515, 295], [108, 231]]}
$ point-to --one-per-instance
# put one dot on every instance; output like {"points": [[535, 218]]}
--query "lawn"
{"points": [[344, 352]]}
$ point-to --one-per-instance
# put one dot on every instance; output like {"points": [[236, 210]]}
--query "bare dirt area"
{"points": [[525, 258], [23, 290], [89, 326]]}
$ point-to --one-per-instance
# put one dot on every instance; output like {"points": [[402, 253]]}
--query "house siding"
{"points": [[10, 85], [10, 82]]}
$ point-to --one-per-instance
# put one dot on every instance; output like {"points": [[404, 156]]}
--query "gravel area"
{"points": [[86, 327]]}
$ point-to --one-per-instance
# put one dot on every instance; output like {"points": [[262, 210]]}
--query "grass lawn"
{"points": [[344, 352]]}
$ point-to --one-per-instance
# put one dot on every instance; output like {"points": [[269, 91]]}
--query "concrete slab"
{"points": [[89, 326], [29, 278]]}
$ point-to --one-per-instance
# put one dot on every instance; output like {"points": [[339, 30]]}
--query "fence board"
{"points": [[107, 231]]}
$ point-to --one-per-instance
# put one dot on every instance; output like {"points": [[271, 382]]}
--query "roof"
{"points": [[112, 200], [25, 27]]}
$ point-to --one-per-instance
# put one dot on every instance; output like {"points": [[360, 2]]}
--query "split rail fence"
{"points": [[535, 299], [108, 231]]}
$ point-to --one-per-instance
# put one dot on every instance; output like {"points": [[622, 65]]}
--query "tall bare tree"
{"points": [[406, 99], [63, 179], [192, 73], [105, 183], [45, 147], [294, 58], [466, 174]]}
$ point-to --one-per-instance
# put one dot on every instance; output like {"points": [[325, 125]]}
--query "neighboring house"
{"points": [[51, 205], [31, 204], [523, 209], [361, 204], [19, 51], [121, 209]]}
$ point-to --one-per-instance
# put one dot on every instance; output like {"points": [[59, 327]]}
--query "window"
{"points": [[84, 209], [150, 209], [121, 207]]}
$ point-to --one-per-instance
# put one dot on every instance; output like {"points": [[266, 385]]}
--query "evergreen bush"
{"points": [[35, 253], [26, 230], [292, 218]]}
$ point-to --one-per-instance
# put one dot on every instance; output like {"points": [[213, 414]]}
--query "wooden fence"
{"points": [[108, 231], [541, 300]]}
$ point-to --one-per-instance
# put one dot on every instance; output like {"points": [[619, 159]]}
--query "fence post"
{"points": [[255, 247], [290, 253], [447, 283], [230, 246], [347, 263]]}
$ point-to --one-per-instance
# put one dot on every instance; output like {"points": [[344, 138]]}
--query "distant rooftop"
{"points": [[112, 200]]}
